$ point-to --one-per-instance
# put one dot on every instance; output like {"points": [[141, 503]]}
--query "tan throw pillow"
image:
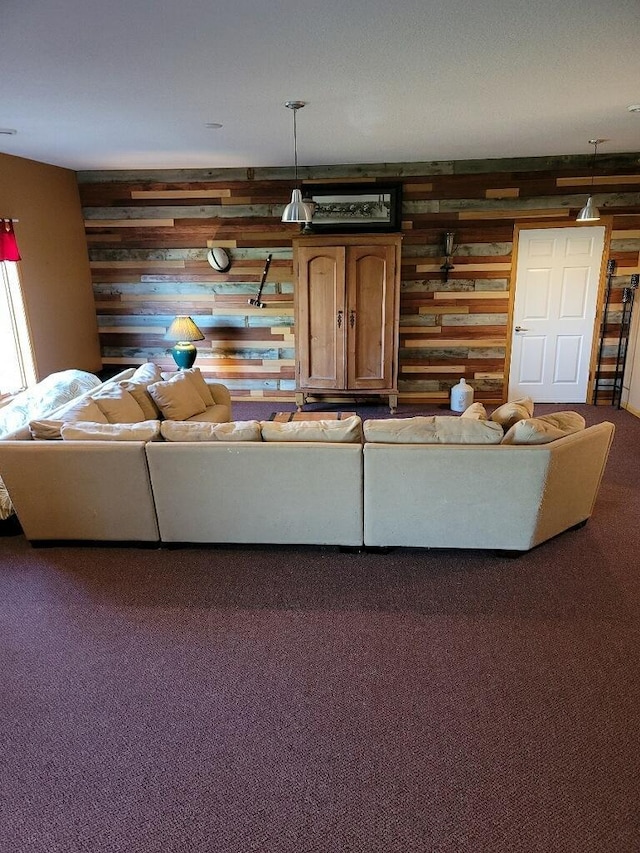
{"points": [[48, 430], [544, 429], [476, 411], [510, 413], [346, 431], [146, 374], [446, 429], [85, 431], [202, 431], [177, 398], [199, 383], [143, 398], [118, 406]]}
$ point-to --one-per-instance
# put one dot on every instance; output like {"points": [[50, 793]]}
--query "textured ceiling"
{"points": [[95, 85]]}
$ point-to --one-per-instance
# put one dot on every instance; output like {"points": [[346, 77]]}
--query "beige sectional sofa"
{"points": [[465, 482], [91, 489]]}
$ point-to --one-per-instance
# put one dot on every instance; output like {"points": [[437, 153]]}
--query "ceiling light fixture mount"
{"points": [[297, 210], [590, 212]]}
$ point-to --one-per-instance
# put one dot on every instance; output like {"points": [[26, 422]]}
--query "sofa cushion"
{"points": [[199, 383], [346, 431], [89, 431], [545, 428], [84, 410], [203, 431], [510, 413], [476, 411], [118, 405], [146, 374], [143, 398], [177, 398], [444, 429], [216, 414]]}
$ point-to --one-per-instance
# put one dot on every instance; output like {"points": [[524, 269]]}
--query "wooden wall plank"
{"points": [[148, 234]]}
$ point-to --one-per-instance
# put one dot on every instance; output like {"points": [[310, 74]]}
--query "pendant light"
{"points": [[590, 212], [297, 210]]}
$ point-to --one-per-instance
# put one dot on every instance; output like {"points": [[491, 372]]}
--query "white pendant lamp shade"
{"points": [[297, 210], [589, 212]]}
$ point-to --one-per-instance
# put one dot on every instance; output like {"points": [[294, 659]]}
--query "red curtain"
{"points": [[8, 246]]}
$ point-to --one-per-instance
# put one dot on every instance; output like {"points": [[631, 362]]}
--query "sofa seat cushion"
{"points": [[544, 429], [347, 431], [438, 429], [510, 413], [177, 398], [88, 431], [203, 431]]}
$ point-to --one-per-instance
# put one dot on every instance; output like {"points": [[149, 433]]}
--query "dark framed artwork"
{"points": [[354, 207]]}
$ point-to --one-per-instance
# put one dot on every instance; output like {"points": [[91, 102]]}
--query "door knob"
{"points": [[520, 329]]}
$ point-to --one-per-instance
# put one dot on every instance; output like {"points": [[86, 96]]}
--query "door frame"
{"points": [[527, 225]]}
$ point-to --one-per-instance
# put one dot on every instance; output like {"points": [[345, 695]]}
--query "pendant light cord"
{"points": [[295, 146], [593, 162]]}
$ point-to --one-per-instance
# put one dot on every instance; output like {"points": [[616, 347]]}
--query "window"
{"points": [[17, 370]]}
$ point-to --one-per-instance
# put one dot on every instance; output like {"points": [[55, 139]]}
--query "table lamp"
{"points": [[183, 330]]}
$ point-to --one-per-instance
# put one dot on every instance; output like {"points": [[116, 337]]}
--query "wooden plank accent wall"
{"points": [[148, 234]]}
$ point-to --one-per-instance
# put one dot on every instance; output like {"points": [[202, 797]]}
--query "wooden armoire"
{"points": [[347, 300]]}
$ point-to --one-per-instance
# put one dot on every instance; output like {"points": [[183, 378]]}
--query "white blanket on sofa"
{"points": [[38, 402]]}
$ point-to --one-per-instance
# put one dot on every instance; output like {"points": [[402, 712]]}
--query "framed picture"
{"points": [[354, 207]]}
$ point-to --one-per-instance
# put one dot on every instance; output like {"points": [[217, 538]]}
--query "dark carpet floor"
{"points": [[303, 700]]}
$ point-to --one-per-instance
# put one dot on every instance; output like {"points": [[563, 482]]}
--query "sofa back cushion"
{"points": [[118, 405], [476, 411], [177, 398], [198, 381], [143, 398], [510, 413], [203, 431], [346, 431], [544, 429], [432, 430]]}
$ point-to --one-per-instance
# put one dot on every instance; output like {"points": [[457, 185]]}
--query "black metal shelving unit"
{"points": [[611, 271], [628, 295]]}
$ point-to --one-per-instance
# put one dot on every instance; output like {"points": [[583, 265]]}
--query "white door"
{"points": [[554, 310]]}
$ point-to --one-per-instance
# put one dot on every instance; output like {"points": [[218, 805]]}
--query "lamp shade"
{"points": [[297, 210], [183, 329], [589, 212]]}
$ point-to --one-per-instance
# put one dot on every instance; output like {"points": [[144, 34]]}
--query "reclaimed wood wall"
{"points": [[148, 234]]}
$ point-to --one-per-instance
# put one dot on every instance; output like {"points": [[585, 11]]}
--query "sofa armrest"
{"points": [[220, 393]]}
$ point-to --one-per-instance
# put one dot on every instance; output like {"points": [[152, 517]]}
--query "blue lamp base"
{"points": [[184, 354]]}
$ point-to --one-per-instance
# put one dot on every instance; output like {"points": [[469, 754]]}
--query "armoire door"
{"points": [[321, 317], [370, 323]]}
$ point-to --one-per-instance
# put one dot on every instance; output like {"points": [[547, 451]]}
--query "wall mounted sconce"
{"points": [[449, 251]]}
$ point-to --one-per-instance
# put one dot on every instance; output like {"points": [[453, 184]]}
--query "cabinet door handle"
{"points": [[352, 318], [340, 319]]}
